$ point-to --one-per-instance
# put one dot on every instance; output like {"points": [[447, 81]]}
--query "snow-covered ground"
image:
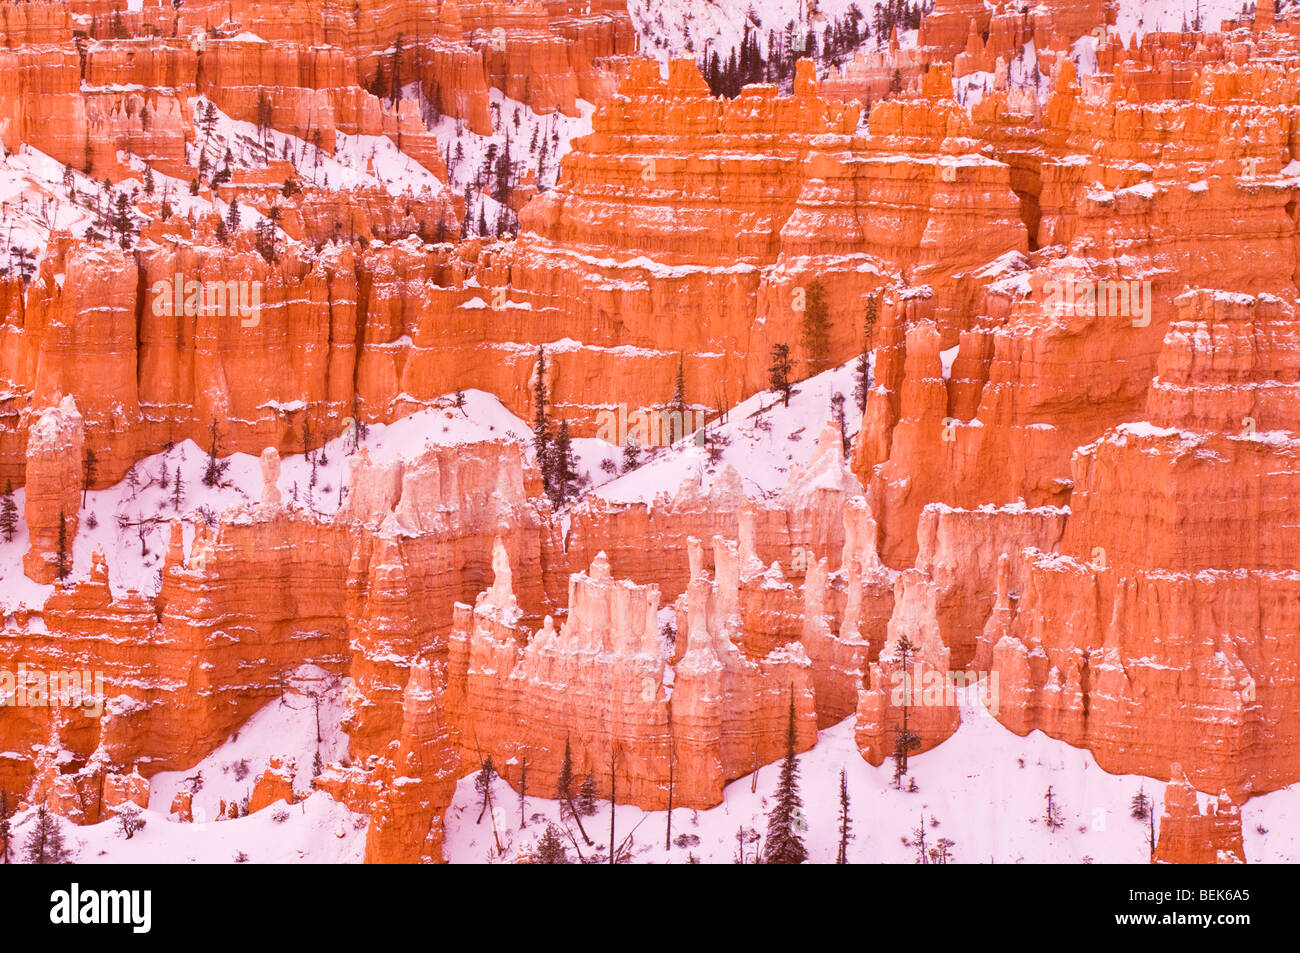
{"points": [[286, 728], [537, 141], [130, 521], [315, 830], [984, 789], [1170, 16], [763, 439], [671, 28]]}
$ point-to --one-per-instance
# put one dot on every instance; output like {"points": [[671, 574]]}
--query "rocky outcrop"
{"points": [[613, 696], [1192, 834], [54, 478]]}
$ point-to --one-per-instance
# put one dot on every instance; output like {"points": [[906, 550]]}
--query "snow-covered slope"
{"points": [[984, 789], [315, 830], [761, 438], [130, 521], [671, 28]]}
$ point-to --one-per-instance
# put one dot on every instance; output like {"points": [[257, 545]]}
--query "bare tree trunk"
{"points": [[668, 835], [523, 790], [612, 804]]}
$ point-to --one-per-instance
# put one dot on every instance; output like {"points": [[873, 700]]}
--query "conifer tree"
{"points": [[587, 795], [396, 91], [178, 491], [837, 414], [1052, 814], [564, 466], [922, 855], [905, 740], [232, 215], [779, 372], [8, 513], [564, 789], [1140, 805], [63, 556], [483, 785], [215, 469], [846, 822], [678, 403], [784, 844], [815, 336], [550, 849], [45, 843], [91, 463], [862, 373], [564, 780], [631, 454], [542, 424], [6, 848]]}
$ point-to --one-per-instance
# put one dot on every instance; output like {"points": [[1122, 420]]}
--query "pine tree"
{"points": [[918, 835], [91, 463], [215, 469], [837, 414], [232, 215], [631, 454], [564, 466], [45, 843], [587, 795], [779, 372], [564, 780], [378, 84], [483, 785], [550, 849], [678, 404], [905, 740], [846, 822], [1052, 814], [395, 92], [862, 373], [1141, 806], [784, 844], [815, 337], [63, 556], [6, 848], [148, 180], [542, 425], [8, 513]]}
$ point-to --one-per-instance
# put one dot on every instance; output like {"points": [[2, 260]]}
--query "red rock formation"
{"points": [[54, 477], [1192, 835], [610, 693], [274, 784]]}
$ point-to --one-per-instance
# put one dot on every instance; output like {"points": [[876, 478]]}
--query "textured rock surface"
{"points": [[1092, 503]]}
